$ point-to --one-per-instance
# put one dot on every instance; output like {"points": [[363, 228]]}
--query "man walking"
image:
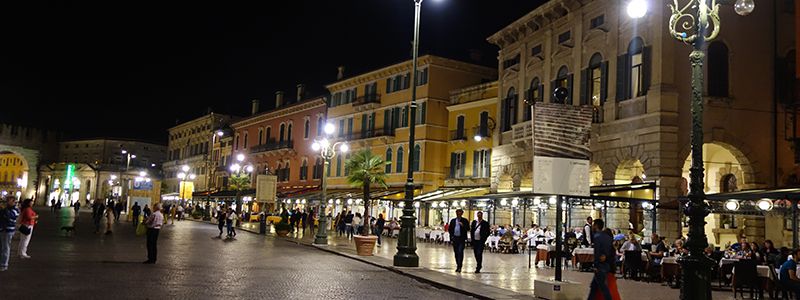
{"points": [[8, 224], [137, 211], [458, 237], [153, 223], [480, 232], [603, 260]]}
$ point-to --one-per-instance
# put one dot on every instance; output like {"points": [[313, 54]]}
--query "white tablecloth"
{"points": [[585, 251], [546, 247], [669, 260], [762, 271], [726, 261]]}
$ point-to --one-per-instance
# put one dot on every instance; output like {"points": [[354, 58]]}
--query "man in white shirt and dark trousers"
{"points": [[458, 237], [153, 223], [586, 237], [480, 232]]}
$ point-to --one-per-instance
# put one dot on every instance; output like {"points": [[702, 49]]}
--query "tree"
{"points": [[366, 169], [239, 182]]}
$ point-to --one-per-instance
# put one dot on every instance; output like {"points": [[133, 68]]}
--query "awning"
{"points": [[790, 193]]}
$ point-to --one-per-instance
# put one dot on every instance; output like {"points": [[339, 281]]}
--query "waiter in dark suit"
{"points": [[458, 236], [480, 232]]}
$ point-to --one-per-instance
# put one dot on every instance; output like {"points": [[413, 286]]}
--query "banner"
{"points": [[266, 188]]}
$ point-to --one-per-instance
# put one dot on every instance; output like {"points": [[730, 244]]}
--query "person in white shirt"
{"points": [[153, 223]]}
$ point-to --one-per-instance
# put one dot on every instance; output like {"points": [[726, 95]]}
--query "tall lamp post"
{"points": [[238, 170], [123, 191], [695, 23], [406, 255], [210, 163], [327, 151], [183, 176]]}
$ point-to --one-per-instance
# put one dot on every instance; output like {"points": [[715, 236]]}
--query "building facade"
{"points": [[371, 111], [278, 142], [24, 149], [637, 78], [189, 145], [109, 152]]}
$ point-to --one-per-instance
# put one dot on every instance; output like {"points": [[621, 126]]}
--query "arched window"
{"points": [[718, 69], [289, 133], [287, 170], [281, 132], [304, 170], [509, 109], [269, 134], [399, 168], [260, 136], [634, 67], [417, 157], [534, 94], [388, 160], [595, 82], [563, 80], [317, 169], [320, 126], [306, 128], [279, 171], [245, 140]]}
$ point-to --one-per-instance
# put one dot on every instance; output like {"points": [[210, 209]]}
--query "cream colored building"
{"points": [[189, 145], [637, 77]]}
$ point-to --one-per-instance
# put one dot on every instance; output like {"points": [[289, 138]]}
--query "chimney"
{"points": [[301, 89], [278, 99], [340, 75], [254, 110]]}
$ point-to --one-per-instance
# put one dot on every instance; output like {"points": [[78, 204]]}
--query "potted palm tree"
{"points": [[366, 169], [239, 182]]}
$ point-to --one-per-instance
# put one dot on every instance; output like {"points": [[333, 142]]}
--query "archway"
{"points": [[726, 169], [629, 171]]}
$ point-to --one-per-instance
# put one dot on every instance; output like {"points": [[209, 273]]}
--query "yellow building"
{"points": [[371, 111], [13, 171]]}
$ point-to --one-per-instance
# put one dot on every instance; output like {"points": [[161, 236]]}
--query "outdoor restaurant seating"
{"points": [[745, 275], [633, 264]]}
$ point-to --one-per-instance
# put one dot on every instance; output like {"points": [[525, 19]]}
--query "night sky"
{"points": [[130, 70]]}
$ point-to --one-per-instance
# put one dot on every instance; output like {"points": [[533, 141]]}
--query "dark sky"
{"points": [[131, 69]]}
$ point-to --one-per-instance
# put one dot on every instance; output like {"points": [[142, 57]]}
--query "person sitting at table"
{"points": [[738, 246], [631, 244], [770, 254], [756, 252], [678, 249], [549, 235], [507, 240], [501, 231], [788, 274], [745, 252]]}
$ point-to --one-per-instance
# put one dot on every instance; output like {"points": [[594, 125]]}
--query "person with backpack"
{"points": [[8, 224]]}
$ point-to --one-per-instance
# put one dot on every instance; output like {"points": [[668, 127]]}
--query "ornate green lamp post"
{"points": [[695, 22], [327, 151]]}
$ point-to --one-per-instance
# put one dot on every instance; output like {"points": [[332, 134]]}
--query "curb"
{"points": [[400, 271], [390, 268]]}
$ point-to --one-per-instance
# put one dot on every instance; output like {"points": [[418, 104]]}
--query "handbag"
{"points": [[24, 229]]}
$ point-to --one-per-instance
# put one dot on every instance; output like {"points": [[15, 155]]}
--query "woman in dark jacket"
{"points": [[379, 227]]}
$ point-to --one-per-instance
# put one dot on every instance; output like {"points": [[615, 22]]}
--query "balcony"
{"points": [[367, 99], [458, 135], [272, 145], [375, 133]]}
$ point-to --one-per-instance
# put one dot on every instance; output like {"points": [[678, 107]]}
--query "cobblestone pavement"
{"points": [[192, 264]]}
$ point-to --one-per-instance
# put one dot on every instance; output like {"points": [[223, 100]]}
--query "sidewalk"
{"points": [[504, 276]]}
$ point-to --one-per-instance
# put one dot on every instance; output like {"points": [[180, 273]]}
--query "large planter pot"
{"points": [[365, 244], [282, 232]]}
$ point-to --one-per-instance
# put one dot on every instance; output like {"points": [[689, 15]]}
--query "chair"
{"points": [[724, 271], [632, 264], [446, 238], [395, 232], [493, 242], [745, 276]]}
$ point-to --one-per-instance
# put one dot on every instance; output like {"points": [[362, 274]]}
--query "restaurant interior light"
{"points": [[732, 205], [764, 204]]}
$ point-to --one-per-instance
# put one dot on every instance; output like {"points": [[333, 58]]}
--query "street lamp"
{"points": [[690, 23], [327, 151], [238, 170], [128, 156], [406, 255]]}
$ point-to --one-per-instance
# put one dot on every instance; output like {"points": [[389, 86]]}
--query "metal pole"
{"points": [[322, 233], [559, 239], [406, 244], [794, 224], [696, 266]]}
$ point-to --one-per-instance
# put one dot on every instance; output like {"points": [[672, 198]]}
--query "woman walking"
{"points": [[28, 220], [109, 218], [231, 219], [221, 222]]}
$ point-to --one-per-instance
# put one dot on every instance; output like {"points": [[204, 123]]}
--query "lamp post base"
{"points": [[322, 233], [406, 260], [695, 281]]}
